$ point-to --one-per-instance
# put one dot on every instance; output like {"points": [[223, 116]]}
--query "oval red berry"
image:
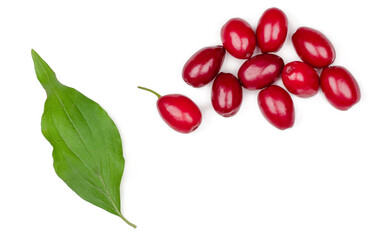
{"points": [[260, 71], [203, 66], [179, 112], [300, 79], [313, 47], [238, 38], [226, 94], [272, 30], [277, 106], [340, 87]]}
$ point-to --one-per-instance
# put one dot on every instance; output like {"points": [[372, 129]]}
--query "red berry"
{"points": [[178, 111], [300, 79], [226, 95], [340, 87], [238, 38], [277, 106], [272, 30], [313, 47], [203, 66], [260, 71]]}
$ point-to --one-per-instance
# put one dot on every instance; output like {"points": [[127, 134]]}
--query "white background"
{"points": [[234, 178]]}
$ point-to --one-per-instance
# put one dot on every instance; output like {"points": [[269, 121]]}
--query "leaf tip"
{"points": [[44, 73], [33, 53]]}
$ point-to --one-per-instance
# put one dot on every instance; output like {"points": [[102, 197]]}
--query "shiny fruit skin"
{"points": [[226, 94], [300, 79], [277, 106], [203, 66], [272, 30], [313, 47], [179, 112], [340, 87], [238, 38], [260, 71]]}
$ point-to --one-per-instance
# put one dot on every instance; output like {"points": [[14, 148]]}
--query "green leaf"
{"points": [[87, 148]]}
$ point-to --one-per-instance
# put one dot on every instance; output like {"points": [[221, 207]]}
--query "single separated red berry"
{"points": [[238, 38], [300, 79], [277, 106], [313, 47], [226, 94], [272, 30], [340, 87], [178, 111], [203, 66], [260, 71]]}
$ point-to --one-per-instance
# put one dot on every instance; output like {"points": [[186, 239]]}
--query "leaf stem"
{"points": [[118, 211], [131, 224], [147, 89]]}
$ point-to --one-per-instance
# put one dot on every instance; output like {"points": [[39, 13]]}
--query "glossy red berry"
{"points": [[238, 38], [313, 47], [203, 66], [277, 106], [178, 111], [260, 71], [226, 94], [272, 30], [300, 79], [340, 87]]}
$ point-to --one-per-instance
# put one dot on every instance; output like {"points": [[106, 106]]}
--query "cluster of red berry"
{"points": [[260, 72]]}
